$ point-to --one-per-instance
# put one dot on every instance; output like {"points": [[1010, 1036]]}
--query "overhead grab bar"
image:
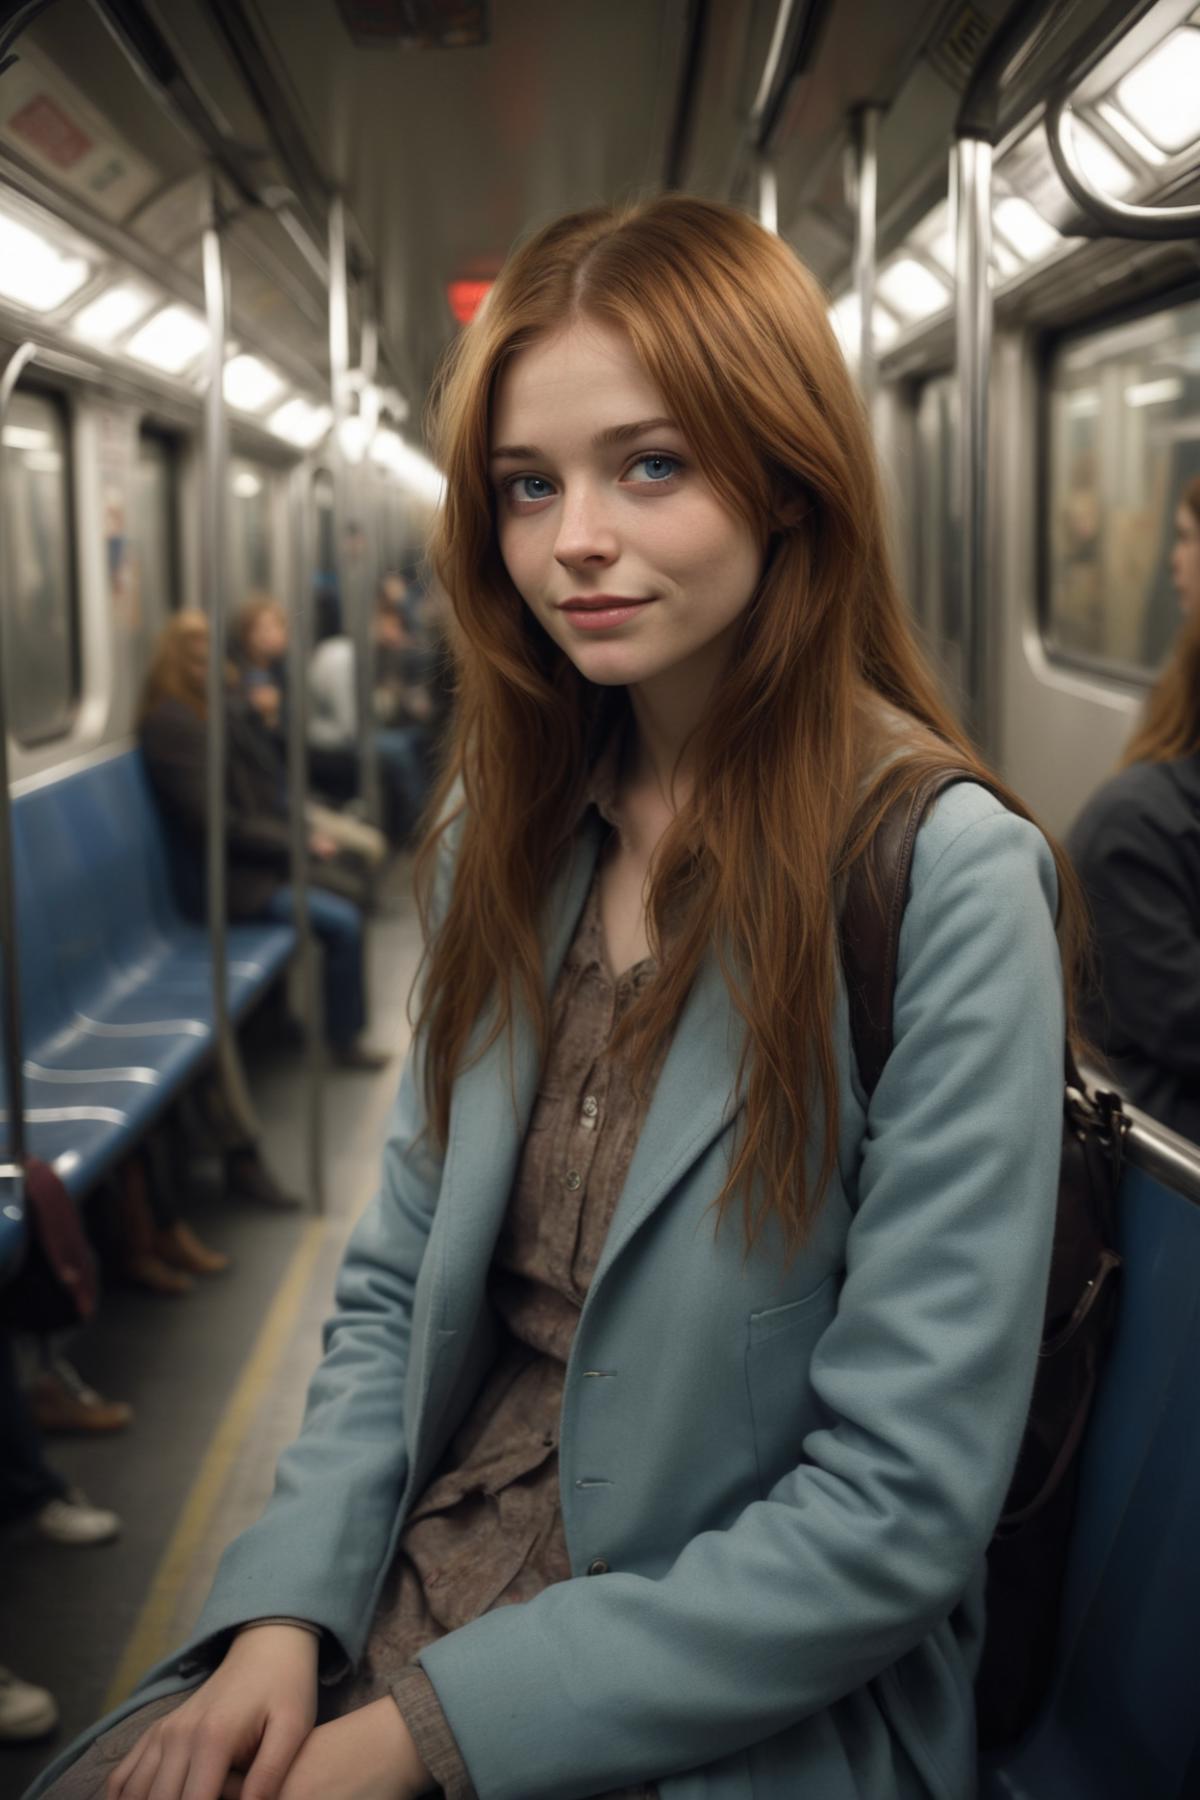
{"points": [[1155, 224], [14, 1159]]}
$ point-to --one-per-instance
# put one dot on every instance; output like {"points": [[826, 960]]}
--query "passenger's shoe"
{"points": [[364, 1057], [26, 1712], [179, 1246], [248, 1178], [150, 1271], [74, 1520], [63, 1402]]}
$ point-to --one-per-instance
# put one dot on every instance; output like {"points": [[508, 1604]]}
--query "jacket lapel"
{"points": [[691, 1105]]}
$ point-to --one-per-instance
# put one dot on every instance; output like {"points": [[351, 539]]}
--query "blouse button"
{"points": [[598, 1566], [574, 1179], [591, 1107]]}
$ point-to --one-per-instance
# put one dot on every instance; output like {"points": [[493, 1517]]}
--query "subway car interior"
{"points": [[236, 239]]}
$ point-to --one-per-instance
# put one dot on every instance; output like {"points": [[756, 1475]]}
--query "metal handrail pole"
{"points": [[214, 581], [299, 650], [1170, 1158], [866, 184], [1153, 224], [971, 187], [353, 585], [13, 1168]]}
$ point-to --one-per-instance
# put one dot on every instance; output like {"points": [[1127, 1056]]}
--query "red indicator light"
{"points": [[466, 297]]}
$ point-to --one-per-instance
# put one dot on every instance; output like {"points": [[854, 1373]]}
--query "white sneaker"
{"points": [[26, 1711], [74, 1520]]}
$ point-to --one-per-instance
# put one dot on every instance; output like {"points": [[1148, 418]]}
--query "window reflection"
{"points": [[1124, 424], [40, 620]]}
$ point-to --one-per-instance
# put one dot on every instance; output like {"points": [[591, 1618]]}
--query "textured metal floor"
{"points": [[217, 1381]]}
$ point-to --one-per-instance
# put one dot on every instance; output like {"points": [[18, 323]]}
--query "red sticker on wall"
{"points": [[43, 123]]}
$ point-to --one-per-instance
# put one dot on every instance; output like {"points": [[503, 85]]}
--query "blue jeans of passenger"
{"points": [[27, 1482], [338, 924]]}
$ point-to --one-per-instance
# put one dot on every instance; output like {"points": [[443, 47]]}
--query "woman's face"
{"points": [[598, 495], [1185, 560], [268, 637]]}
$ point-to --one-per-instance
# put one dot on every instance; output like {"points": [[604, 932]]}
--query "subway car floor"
{"points": [[217, 1382]]}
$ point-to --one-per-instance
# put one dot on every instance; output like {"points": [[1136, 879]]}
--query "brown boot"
{"points": [[179, 1246], [63, 1402]]}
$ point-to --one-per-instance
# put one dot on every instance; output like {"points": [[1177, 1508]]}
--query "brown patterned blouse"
{"points": [[488, 1529]]}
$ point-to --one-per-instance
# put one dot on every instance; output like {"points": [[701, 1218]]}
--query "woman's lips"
{"points": [[601, 613]]}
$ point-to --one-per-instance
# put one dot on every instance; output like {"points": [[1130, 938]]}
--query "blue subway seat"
{"points": [[1123, 1718]]}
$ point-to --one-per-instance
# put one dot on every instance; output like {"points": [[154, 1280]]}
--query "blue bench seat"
{"points": [[116, 985]]}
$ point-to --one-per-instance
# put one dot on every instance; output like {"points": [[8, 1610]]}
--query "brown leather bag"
{"points": [[1027, 1556]]}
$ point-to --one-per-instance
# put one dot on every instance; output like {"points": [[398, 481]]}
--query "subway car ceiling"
{"points": [[122, 123], [446, 154]]}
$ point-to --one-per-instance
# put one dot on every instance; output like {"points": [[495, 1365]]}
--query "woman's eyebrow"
{"points": [[612, 434]]}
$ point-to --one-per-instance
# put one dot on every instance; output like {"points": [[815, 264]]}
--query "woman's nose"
{"points": [[585, 534]]}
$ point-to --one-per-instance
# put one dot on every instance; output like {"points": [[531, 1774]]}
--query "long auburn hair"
{"points": [[170, 676], [733, 331], [1170, 721]]}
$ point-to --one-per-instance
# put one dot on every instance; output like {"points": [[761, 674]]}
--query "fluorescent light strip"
{"points": [[250, 384], [34, 271], [1162, 94], [170, 340], [111, 313], [300, 422]]}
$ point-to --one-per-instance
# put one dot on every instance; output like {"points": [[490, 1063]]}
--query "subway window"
{"points": [[1123, 442], [41, 622], [252, 560], [936, 601], [154, 524]]}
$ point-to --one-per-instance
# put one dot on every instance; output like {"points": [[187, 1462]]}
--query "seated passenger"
{"points": [[399, 735], [174, 737], [1136, 846], [670, 1402], [259, 638]]}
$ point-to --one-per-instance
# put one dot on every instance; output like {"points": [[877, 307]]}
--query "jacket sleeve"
{"points": [[924, 1373], [175, 749], [1144, 914]]}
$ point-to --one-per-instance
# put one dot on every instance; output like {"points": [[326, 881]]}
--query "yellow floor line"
{"points": [[151, 1637]]}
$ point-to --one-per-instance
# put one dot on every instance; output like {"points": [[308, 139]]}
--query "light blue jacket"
{"points": [[791, 1472]]}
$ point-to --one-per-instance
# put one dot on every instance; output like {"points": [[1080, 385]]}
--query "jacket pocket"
{"points": [[779, 1349]]}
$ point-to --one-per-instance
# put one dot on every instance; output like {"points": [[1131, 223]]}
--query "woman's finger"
{"points": [[275, 1755], [140, 1779]]}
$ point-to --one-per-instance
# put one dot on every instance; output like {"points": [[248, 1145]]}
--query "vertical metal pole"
{"points": [[12, 1162], [866, 172], [299, 650], [353, 579], [214, 581], [768, 196], [971, 192]]}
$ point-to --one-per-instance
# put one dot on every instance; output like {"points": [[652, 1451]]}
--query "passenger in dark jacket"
{"points": [[1136, 846], [174, 737]]}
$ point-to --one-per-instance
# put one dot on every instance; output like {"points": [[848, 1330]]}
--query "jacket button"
{"points": [[598, 1566]]}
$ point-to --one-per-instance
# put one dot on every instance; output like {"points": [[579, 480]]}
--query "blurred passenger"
{"points": [[691, 690], [398, 738], [29, 1487], [1136, 846], [260, 640], [174, 737]]}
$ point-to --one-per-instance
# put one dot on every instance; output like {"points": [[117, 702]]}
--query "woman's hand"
{"points": [[368, 1755], [253, 1713]]}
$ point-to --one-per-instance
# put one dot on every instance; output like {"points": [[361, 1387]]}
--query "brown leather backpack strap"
{"points": [[876, 894]]}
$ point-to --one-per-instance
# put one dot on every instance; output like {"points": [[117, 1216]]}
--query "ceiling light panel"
{"points": [[1102, 166], [1162, 94], [171, 340], [34, 271], [1023, 227], [845, 316], [111, 313], [912, 290], [300, 423], [251, 385]]}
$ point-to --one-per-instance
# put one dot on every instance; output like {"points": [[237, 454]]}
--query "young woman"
{"points": [[671, 1398], [1136, 846]]}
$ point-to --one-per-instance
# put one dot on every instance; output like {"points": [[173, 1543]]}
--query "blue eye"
{"points": [[530, 487], [658, 468]]}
